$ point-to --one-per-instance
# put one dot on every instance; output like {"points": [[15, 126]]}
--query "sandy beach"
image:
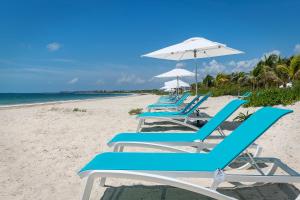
{"points": [[42, 148]]}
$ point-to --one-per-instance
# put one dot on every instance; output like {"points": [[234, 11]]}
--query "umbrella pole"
{"points": [[196, 71], [177, 86], [196, 78]]}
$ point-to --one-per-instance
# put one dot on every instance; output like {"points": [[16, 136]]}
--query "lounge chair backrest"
{"points": [[191, 103], [183, 98], [246, 94], [194, 107], [219, 118], [242, 137], [183, 94], [175, 97], [249, 94]]}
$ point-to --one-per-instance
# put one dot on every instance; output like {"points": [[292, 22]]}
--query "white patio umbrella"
{"points": [[176, 84], [177, 73], [167, 89], [193, 48]]}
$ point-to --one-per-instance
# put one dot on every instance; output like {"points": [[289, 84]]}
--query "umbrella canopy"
{"points": [[175, 84], [177, 72], [193, 48], [167, 89]]}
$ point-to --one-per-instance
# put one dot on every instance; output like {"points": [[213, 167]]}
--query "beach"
{"points": [[42, 147]]}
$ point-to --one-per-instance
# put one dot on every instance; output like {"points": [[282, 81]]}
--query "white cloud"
{"points": [[297, 48], [180, 65], [232, 63], [130, 78], [243, 65], [212, 68], [54, 46], [73, 81], [276, 52]]}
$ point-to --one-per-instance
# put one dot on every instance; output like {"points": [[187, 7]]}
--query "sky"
{"points": [[57, 45]]}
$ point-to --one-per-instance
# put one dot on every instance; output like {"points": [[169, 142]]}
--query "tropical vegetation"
{"points": [[274, 80], [242, 116]]}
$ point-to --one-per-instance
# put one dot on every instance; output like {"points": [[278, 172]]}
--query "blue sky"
{"points": [[49, 46]]}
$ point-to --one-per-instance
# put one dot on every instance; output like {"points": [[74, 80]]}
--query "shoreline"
{"points": [[25, 105]]}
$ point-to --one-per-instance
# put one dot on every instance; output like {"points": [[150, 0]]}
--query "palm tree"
{"points": [[272, 60], [256, 71], [295, 68], [272, 70], [245, 80], [253, 81], [234, 77], [283, 72], [222, 79], [208, 81], [267, 77]]}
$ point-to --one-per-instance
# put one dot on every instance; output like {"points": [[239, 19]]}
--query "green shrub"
{"points": [[228, 89], [261, 97], [275, 96], [231, 89], [135, 111]]}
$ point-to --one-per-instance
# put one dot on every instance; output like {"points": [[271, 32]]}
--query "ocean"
{"points": [[32, 98]]}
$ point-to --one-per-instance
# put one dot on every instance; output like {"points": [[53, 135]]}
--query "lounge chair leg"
{"points": [[221, 131], [254, 164], [88, 188], [255, 155], [121, 149], [219, 177], [139, 126], [141, 122], [116, 148], [102, 182], [199, 146]]}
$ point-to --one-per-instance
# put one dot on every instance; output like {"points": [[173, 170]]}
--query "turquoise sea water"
{"points": [[29, 98]]}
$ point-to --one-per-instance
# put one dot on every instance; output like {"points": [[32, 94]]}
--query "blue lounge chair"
{"points": [[174, 106], [169, 96], [245, 95], [167, 141], [175, 117], [166, 168], [173, 99]]}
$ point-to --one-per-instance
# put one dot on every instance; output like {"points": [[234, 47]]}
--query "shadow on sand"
{"points": [[160, 126], [140, 192]]}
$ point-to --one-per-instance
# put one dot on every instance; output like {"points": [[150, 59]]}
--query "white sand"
{"points": [[42, 147]]}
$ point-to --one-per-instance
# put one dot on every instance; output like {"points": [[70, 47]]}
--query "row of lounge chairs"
{"points": [[169, 104], [207, 161]]}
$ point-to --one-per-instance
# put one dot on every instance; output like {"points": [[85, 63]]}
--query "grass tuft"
{"points": [[79, 110], [135, 111]]}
